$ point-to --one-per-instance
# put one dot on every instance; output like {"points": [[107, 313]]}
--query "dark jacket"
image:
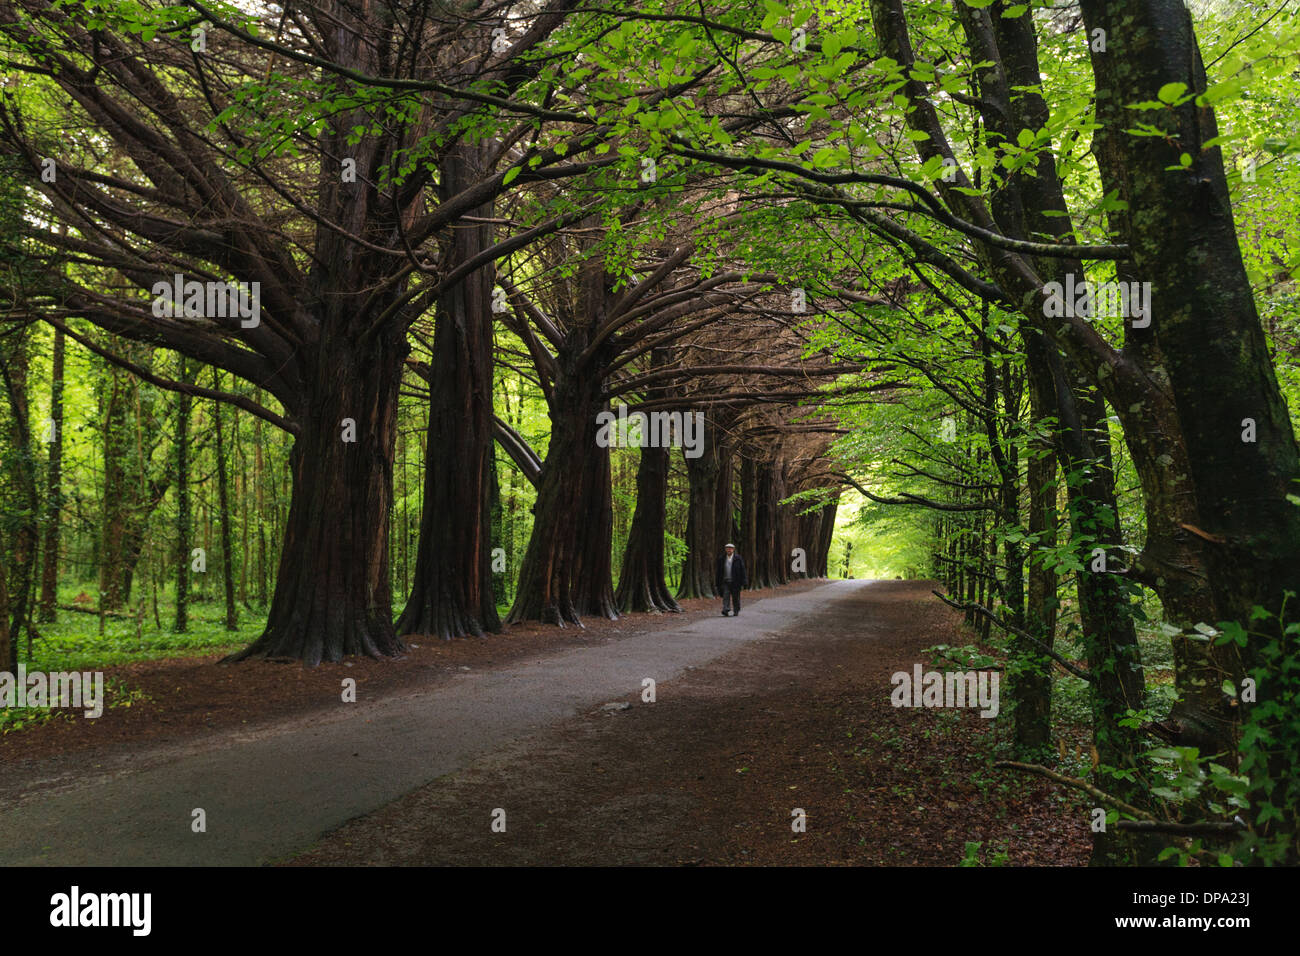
{"points": [[738, 577]]}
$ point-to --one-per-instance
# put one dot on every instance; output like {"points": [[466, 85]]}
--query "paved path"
{"points": [[269, 794]]}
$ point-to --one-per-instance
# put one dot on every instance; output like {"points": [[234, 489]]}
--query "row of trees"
{"points": [[373, 240]]}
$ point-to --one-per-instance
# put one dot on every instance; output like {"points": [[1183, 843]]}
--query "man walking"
{"points": [[730, 578]]}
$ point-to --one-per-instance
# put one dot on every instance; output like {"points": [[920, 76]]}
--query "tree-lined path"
{"points": [[329, 333]]}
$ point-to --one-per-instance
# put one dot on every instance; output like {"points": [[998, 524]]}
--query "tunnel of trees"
{"points": [[1015, 280]]}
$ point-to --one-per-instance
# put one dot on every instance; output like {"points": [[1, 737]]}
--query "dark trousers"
{"points": [[731, 590]]}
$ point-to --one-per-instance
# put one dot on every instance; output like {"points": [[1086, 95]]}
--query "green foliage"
{"points": [[76, 644], [972, 856], [1270, 739]]}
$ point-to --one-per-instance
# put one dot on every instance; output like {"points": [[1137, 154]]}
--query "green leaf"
{"points": [[1233, 633], [1221, 91], [1170, 92], [510, 175], [824, 157]]}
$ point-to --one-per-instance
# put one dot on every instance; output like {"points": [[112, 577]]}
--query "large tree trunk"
{"points": [[452, 593], [702, 546], [593, 572], [814, 532], [1221, 501], [563, 575], [748, 543], [641, 585], [821, 567], [567, 571], [807, 530], [784, 530], [53, 488], [332, 595], [724, 518], [768, 544], [14, 366]]}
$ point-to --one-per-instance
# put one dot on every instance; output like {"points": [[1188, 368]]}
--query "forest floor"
{"points": [[786, 707]]}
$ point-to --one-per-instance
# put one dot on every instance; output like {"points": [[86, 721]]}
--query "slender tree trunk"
{"points": [[183, 503], [223, 498], [1106, 612], [116, 496], [1033, 713], [259, 480], [137, 521], [8, 644], [242, 496], [53, 488]]}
